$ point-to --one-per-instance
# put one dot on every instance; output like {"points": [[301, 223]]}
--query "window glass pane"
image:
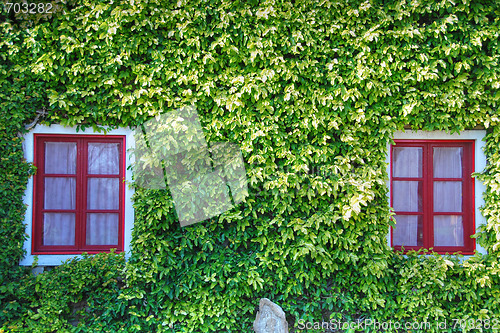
{"points": [[104, 158], [407, 196], [60, 193], [408, 231], [60, 158], [102, 229], [58, 229], [103, 193], [407, 161], [448, 196], [448, 230], [447, 162]]}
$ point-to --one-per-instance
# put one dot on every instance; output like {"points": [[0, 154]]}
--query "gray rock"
{"points": [[270, 318]]}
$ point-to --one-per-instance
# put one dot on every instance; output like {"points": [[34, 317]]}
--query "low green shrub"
{"points": [[66, 296]]}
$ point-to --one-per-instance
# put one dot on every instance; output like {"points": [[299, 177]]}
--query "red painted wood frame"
{"points": [[81, 208], [427, 180]]}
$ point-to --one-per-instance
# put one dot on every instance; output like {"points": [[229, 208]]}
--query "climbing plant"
{"points": [[312, 92]]}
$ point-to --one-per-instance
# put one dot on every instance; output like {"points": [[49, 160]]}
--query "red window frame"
{"points": [[427, 179], [81, 208]]}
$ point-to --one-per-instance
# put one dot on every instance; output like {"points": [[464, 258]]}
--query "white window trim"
{"points": [[479, 166], [28, 147]]}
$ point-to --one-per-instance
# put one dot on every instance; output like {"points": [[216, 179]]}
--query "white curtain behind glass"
{"points": [[406, 195], [102, 229], [60, 158], [447, 197], [103, 158], [59, 229], [59, 193], [447, 163], [406, 232], [448, 230], [103, 193], [407, 162]]}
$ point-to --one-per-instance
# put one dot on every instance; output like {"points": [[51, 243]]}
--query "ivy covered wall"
{"points": [[312, 92]]}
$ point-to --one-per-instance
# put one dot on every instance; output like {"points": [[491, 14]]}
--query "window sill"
{"points": [[42, 253], [428, 252]]}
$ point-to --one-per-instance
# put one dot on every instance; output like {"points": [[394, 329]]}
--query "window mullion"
{"points": [[468, 196], [429, 197], [83, 231], [81, 193]]}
